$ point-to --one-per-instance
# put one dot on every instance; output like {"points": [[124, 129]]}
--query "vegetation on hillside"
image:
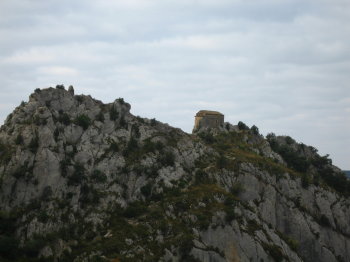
{"points": [[103, 215], [244, 146]]}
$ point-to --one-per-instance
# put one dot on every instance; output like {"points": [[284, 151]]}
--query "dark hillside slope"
{"points": [[87, 181]]}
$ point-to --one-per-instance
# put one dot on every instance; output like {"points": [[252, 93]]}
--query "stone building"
{"points": [[208, 119]]}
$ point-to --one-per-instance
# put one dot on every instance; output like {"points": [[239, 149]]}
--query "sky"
{"points": [[282, 65]]}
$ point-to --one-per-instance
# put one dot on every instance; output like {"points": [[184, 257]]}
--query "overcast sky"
{"points": [[283, 65]]}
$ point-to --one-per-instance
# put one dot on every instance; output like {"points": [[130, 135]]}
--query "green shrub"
{"points": [[60, 87], [271, 137], [34, 143], [274, 251], [201, 177], [122, 122], [20, 172], [207, 137], [131, 147], [203, 221], [113, 113], [230, 214], [324, 221], [88, 195], [64, 167], [159, 146], [140, 119], [334, 179], [253, 226], [186, 245], [152, 147], [321, 161], [19, 139], [83, 121], [255, 130], [80, 98], [97, 258], [33, 246], [221, 161], [146, 190], [5, 153], [289, 140], [151, 172], [293, 244], [148, 146], [7, 223], [47, 193], [64, 119], [135, 131], [153, 122], [167, 159], [78, 176], [237, 188], [43, 217], [34, 204], [242, 126], [293, 158], [135, 209], [113, 146], [8, 247], [56, 133], [305, 180], [39, 121], [98, 176], [100, 117]]}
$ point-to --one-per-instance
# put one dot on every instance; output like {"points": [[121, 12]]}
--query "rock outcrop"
{"points": [[86, 181]]}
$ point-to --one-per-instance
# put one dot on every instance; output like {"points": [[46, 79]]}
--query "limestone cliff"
{"points": [[87, 181]]}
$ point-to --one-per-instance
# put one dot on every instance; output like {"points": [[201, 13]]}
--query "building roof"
{"points": [[208, 112]]}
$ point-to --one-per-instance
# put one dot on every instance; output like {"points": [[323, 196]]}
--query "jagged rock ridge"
{"points": [[87, 181]]}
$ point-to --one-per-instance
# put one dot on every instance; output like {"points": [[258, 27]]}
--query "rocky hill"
{"points": [[86, 181]]}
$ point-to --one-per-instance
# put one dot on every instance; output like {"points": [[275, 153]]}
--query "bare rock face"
{"points": [[86, 181]]}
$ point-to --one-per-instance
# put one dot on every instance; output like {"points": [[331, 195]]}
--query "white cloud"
{"points": [[58, 71], [32, 56]]}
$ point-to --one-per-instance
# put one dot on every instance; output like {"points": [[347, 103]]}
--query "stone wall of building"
{"points": [[208, 119]]}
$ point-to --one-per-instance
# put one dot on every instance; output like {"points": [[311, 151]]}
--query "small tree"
{"points": [[270, 136], [60, 87], [255, 130], [83, 121], [153, 122], [242, 126]]}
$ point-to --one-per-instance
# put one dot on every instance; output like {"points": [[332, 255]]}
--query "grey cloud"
{"points": [[282, 65]]}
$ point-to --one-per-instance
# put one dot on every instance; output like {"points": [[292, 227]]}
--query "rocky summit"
{"points": [[81, 180]]}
